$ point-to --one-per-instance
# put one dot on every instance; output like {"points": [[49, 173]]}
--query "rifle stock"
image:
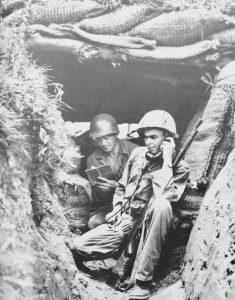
{"points": [[132, 244]]}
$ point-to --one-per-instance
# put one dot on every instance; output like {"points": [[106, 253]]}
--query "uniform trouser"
{"points": [[106, 240]]}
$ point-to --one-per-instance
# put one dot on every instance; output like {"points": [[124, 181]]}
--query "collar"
{"points": [[122, 148]]}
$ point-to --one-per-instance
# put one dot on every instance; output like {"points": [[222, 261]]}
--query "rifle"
{"points": [[134, 237]]}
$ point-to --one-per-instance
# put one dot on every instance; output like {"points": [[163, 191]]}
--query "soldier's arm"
{"points": [[119, 195], [171, 182]]}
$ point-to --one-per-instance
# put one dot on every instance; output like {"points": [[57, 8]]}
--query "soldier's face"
{"points": [[153, 139], [107, 143]]}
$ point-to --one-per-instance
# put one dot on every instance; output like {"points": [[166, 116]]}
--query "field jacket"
{"points": [[165, 182], [99, 158]]}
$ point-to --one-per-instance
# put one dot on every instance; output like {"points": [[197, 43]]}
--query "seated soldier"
{"points": [[149, 177], [112, 151]]}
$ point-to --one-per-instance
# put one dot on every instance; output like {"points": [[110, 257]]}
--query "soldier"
{"points": [[148, 176], [112, 151]]}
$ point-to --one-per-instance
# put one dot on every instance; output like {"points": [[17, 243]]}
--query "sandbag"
{"points": [[208, 153], [173, 53], [225, 36], [76, 207], [210, 133], [182, 28], [67, 12], [120, 20], [74, 32], [74, 194]]}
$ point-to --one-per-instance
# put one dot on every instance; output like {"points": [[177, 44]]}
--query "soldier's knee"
{"points": [[95, 221], [77, 243]]}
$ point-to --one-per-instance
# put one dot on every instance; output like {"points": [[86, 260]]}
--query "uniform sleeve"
{"points": [[170, 183]]}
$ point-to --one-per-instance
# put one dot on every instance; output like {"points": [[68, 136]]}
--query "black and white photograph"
{"points": [[117, 149]]}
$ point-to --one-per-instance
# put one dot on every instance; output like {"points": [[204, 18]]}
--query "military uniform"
{"points": [[141, 182], [101, 202]]}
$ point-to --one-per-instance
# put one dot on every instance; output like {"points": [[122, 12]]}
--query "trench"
{"points": [[126, 92]]}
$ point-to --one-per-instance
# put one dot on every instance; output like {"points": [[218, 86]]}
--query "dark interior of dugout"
{"points": [[126, 91]]}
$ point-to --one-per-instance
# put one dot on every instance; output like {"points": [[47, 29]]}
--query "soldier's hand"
{"points": [[115, 216], [168, 149], [106, 185], [126, 224]]}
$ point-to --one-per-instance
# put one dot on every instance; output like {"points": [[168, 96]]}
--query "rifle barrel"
{"points": [[187, 143]]}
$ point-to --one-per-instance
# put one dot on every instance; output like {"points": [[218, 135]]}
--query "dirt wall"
{"points": [[210, 265]]}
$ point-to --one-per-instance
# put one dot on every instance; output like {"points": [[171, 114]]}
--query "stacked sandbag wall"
{"points": [[59, 12], [206, 157], [153, 26]]}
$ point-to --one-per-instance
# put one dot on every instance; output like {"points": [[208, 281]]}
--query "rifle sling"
{"points": [[139, 249]]}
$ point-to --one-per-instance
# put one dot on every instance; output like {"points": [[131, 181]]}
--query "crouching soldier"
{"points": [[112, 151], [148, 177]]}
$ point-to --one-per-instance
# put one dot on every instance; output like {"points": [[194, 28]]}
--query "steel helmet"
{"points": [[158, 119], [103, 124]]}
